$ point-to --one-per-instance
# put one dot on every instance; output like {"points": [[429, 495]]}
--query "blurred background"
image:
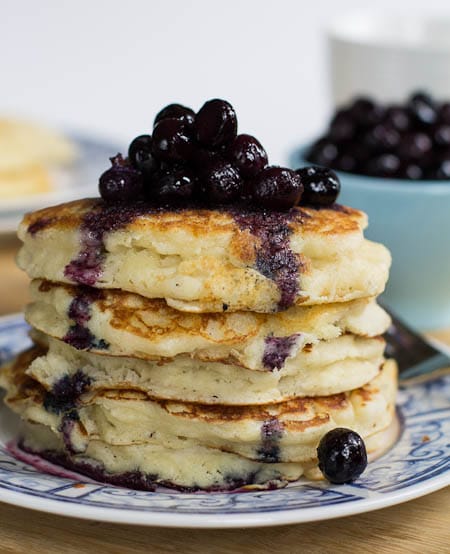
{"points": [[106, 67]]}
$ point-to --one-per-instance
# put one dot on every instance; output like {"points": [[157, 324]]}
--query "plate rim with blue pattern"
{"points": [[418, 464]]}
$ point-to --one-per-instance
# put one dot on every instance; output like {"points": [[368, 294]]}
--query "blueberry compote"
{"points": [[277, 350], [63, 396], [122, 181], [271, 433], [224, 168], [62, 400], [409, 141], [79, 336], [104, 218], [274, 257], [199, 161]]}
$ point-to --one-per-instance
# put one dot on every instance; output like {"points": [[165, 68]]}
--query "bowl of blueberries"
{"points": [[393, 161]]}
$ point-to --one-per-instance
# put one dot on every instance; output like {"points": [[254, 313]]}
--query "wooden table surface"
{"points": [[420, 526]]}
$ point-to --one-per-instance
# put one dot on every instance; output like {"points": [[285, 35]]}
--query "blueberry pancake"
{"points": [[150, 465], [124, 324], [209, 323], [330, 367], [89, 425], [203, 260], [182, 467]]}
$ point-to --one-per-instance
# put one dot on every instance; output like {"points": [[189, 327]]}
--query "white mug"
{"points": [[388, 57]]}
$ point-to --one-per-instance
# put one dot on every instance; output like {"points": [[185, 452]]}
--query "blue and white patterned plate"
{"points": [[418, 464]]}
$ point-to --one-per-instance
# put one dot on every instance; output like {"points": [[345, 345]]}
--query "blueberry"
{"points": [[359, 151], [248, 155], [381, 137], [216, 123], [346, 162], [121, 182], [323, 152], [221, 182], [277, 188], [140, 155], [384, 165], [443, 170], [422, 108], [172, 186], [399, 118], [321, 185], [342, 126], [175, 111], [365, 112], [441, 134], [444, 113], [203, 158], [387, 141], [411, 171], [172, 141], [414, 145], [342, 455]]}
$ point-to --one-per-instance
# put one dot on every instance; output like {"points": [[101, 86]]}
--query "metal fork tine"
{"points": [[415, 356], [428, 367]]}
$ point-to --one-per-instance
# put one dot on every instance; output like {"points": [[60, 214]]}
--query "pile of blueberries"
{"points": [[410, 141], [199, 159]]}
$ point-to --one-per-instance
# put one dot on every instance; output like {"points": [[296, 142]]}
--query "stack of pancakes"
{"points": [[199, 349]]}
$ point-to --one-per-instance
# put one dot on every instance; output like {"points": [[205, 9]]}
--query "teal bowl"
{"points": [[411, 218]]}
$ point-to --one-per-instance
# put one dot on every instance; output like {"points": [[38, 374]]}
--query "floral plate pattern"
{"points": [[418, 464]]}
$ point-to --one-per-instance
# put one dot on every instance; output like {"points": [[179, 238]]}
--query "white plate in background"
{"points": [[77, 181]]}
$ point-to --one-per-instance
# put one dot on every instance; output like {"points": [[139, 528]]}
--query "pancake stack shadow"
{"points": [[199, 349]]}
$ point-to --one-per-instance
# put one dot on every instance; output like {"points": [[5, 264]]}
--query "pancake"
{"points": [[24, 144], [202, 260], [327, 368], [147, 466], [275, 433], [33, 179], [125, 324]]}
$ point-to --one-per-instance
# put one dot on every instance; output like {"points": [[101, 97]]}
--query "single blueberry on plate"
{"points": [[342, 455]]}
